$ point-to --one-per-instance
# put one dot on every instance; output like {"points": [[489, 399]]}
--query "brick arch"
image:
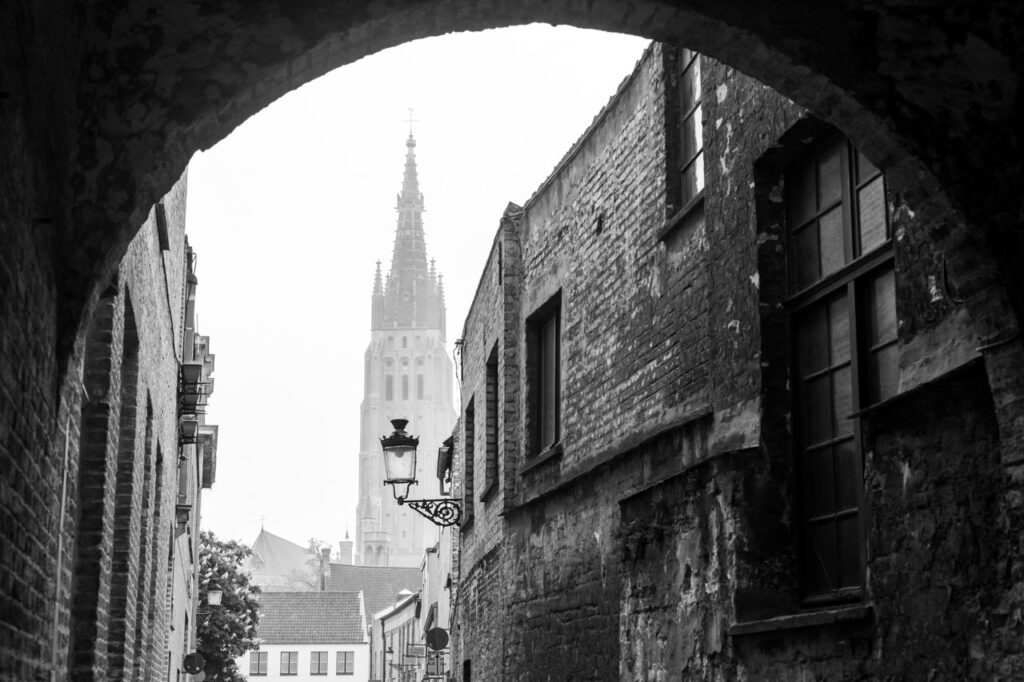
{"points": [[931, 96]]}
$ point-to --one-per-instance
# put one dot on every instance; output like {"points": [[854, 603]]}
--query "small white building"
{"points": [[310, 636]]}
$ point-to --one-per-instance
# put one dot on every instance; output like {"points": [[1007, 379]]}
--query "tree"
{"points": [[227, 631], [307, 578]]}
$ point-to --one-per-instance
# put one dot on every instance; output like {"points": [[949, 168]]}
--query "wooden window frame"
{"points": [[536, 363], [469, 453], [682, 64], [259, 663], [345, 663], [318, 663], [491, 421], [849, 280], [293, 658]]}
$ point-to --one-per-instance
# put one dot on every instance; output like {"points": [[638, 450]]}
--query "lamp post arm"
{"points": [[440, 511]]}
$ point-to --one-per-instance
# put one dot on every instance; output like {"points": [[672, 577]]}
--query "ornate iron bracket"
{"points": [[441, 511]]}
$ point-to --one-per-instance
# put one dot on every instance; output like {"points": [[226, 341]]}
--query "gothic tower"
{"points": [[408, 374]]}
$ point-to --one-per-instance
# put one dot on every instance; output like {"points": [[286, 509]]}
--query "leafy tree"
{"points": [[227, 631], [307, 578]]}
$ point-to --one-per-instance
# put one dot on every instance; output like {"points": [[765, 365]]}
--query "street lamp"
{"points": [[399, 450], [214, 596]]}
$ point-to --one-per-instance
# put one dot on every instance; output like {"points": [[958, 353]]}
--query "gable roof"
{"points": [[275, 556], [380, 585], [312, 618]]}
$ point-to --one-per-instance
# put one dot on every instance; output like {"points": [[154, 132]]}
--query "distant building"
{"points": [[310, 635], [280, 565], [397, 651], [379, 584], [408, 374]]}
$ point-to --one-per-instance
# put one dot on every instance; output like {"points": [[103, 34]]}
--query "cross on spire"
{"points": [[411, 121]]}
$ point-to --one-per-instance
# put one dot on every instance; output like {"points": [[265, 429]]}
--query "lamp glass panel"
{"points": [[400, 462]]}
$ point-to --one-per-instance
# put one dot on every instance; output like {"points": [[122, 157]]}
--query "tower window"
{"points": [[389, 387], [419, 386], [405, 387]]}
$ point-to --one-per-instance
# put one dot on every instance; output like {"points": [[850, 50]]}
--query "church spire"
{"points": [[410, 292]]}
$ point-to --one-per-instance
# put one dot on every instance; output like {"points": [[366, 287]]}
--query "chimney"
{"points": [[346, 548], [325, 567]]}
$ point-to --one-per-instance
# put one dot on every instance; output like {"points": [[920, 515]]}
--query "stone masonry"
{"points": [[658, 539]]}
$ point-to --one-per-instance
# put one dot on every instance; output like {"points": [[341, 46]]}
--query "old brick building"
{"points": [[103, 104], [724, 416]]}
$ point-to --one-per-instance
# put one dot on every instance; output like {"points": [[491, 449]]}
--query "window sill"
{"points": [[680, 216], [553, 452], [489, 491], [853, 613]]}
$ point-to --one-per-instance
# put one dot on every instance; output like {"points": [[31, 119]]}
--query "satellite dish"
{"points": [[437, 638], [193, 663]]}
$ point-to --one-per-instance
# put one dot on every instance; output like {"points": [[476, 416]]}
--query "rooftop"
{"points": [[312, 618]]}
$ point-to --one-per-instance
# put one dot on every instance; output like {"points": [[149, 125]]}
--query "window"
{"points": [[318, 663], [389, 387], [491, 425], [468, 427], [419, 386], [405, 387], [346, 663], [691, 137], [544, 392], [843, 313], [258, 662], [289, 662]]}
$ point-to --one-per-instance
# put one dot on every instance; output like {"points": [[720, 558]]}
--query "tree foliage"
{"points": [[307, 578], [227, 631]]}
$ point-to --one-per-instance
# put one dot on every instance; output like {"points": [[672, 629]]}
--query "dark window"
{"points": [[345, 663], [491, 425], [419, 386], [289, 662], [466, 672], [258, 662], [405, 387], [844, 334], [468, 426], [389, 387], [544, 390], [318, 663]]}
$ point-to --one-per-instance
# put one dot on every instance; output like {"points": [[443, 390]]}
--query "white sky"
{"points": [[290, 212]]}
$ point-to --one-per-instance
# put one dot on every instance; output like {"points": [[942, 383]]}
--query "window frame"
{"points": [[491, 420], [343, 660], [468, 464], [536, 364], [260, 660], [293, 659], [849, 280], [318, 660]]}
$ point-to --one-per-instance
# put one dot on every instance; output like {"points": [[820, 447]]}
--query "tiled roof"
{"points": [[380, 585], [312, 618]]}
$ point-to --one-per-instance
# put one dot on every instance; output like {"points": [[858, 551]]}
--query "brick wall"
{"points": [[658, 540]]}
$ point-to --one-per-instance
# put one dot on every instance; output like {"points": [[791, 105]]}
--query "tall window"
{"points": [[258, 662], [419, 386], [318, 663], [289, 662], [346, 663], [544, 366], [389, 387], [469, 426], [691, 142], [491, 425], [843, 308], [405, 387]]}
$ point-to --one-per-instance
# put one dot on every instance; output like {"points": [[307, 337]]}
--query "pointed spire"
{"points": [[378, 286], [440, 287]]}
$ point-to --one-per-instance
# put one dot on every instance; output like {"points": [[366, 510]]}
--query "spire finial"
{"points": [[411, 121]]}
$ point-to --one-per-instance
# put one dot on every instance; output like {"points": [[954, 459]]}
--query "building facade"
{"points": [[307, 636], [724, 416], [408, 375]]}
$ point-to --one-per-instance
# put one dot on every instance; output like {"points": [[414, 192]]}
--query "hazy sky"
{"points": [[289, 214]]}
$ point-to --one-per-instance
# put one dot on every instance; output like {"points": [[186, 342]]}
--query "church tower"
{"points": [[408, 375]]}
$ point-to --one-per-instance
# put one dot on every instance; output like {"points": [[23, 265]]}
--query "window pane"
{"points": [[849, 551], [812, 342], [865, 169], [805, 256], [800, 194], [885, 373], [881, 314], [839, 330], [820, 557], [549, 383], [819, 482], [817, 410], [848, 475], [689, 88], [833, 255], [698, 172], [871, 214], [689, 138], [830, 181], [842, 401]]}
